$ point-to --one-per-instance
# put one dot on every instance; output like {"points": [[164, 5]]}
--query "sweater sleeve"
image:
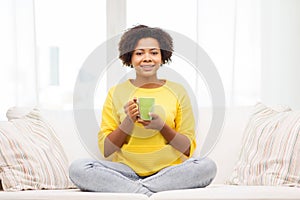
{"points": [[110, 120], [185, 122]]}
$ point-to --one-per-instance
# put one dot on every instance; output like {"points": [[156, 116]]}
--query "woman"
{"points": [[147, 155]]}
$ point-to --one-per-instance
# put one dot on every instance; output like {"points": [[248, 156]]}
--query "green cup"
{"points": [[146, 105]]}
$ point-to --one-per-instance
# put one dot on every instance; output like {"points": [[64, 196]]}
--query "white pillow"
{"points": [[18, 112], [270, 153], [31, 156]]}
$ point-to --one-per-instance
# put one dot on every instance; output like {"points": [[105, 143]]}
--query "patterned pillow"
{"points": [[270, 153], [31, 156]]}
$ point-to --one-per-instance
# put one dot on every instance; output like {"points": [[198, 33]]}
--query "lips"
{"points": [[147, 67]]}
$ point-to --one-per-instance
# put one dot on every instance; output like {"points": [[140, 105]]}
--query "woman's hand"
{"points": [[177, 140], [132, 110], [155, 123]]}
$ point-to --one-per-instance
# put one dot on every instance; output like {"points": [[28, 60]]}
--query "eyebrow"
{"points": [[147, 48]]}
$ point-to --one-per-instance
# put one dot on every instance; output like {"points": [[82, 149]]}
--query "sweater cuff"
{"points": [[127, 125]]}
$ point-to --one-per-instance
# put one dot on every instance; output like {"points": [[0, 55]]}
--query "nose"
{"points": [[147, 58]]}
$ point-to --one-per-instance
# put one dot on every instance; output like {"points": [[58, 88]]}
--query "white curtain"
{"points": [[43, 45], [18, 67], [229, 31], [280, 52]]}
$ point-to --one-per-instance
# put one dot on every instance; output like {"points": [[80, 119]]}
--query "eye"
{"points": [[154, 52], [138, 53]]}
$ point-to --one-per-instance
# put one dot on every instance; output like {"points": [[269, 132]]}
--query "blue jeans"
{"points": [[107, 176]]}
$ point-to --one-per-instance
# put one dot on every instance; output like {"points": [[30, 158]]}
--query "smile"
{"points": [[147, 67]]}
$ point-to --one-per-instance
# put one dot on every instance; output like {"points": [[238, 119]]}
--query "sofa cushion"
{"points": [[31, 156], [270, 153], [70, 194], [18, 112], [229, 142], [232, 192]]}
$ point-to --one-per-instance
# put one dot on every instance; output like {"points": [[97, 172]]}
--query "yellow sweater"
{"points": [[146, 151]]}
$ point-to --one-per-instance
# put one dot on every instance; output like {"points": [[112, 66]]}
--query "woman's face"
{"points": [[146, 58]]}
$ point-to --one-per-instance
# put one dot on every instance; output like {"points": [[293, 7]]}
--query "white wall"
{"points": [[281, 52]]}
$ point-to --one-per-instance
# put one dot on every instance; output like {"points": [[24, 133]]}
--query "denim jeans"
{"points": [[107, 176]]}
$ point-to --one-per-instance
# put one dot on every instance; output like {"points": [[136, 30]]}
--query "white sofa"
{"points": [[225, 154]]}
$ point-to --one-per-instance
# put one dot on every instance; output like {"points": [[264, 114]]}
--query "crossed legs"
{"points": [[106, 176]]}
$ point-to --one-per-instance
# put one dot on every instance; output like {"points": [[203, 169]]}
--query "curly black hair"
{"points": [[131, 37]]}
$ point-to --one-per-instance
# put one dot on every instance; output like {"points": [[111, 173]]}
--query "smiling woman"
{"points": [[150, 155], [146, 59], [146, 49]]}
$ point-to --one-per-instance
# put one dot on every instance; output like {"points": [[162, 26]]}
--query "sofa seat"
{"points": [[213, 192], [68, 194], [231, 192], [225, 153]]}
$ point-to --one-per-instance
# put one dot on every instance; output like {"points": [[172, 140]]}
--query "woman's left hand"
{"points": [[155, 123]]}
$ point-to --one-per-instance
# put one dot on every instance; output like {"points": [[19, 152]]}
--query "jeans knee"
{"points": [[212, 168], [77, 169], [73, 170], [209, 166], [210, 171]]}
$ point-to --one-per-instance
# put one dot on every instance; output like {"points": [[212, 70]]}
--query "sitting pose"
{"points": [[146, 156]]}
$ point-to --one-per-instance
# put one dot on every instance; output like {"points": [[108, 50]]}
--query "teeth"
{"points": [[147, 66]]}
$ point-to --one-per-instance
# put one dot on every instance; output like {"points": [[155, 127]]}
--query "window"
{"points": [[47, 41], [66, 33], [228, 31]]}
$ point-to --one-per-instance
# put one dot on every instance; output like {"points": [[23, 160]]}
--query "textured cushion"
{"points": [[18, 112], [31, 156], [270, 153]]}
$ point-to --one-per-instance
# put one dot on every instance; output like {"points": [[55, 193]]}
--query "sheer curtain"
{"points": [[43, 46], [18, 61], [67, 32], [229, 31]]}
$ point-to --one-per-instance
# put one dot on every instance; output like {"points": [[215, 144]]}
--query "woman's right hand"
{"points": [[132, 110]]}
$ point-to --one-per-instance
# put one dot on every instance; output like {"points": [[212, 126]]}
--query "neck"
{"points": [[147, 83]]}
